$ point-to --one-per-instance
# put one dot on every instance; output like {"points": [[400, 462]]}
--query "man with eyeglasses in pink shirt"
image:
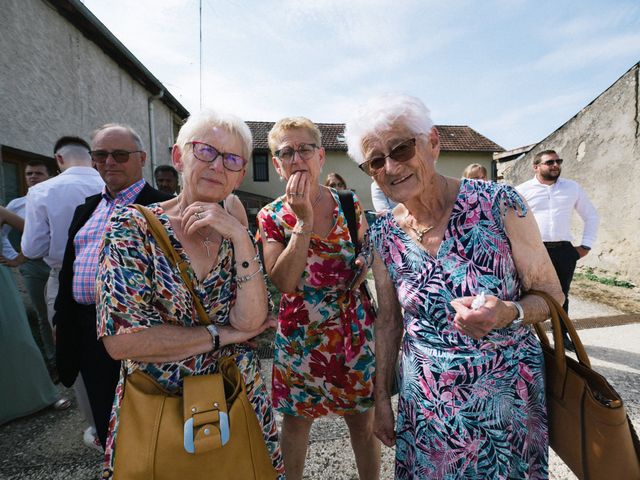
{"points": [[119, 156], [552, 200]]}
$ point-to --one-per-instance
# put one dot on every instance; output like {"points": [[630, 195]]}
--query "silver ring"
{"points": [[198, 215]]}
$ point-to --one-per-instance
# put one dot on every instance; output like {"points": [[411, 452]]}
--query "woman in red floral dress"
{"points": [[324, 355]]}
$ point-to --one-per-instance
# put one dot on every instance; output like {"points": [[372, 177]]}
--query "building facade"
{"points": [[64, 73]]}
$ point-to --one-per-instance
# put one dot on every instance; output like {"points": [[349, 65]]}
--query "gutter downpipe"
{"points": [[152, 132]]}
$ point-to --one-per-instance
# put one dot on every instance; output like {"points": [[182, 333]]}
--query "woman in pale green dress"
{"points": [[25, 384]]}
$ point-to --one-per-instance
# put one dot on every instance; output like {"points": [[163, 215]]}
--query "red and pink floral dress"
{"points": [[324, 348]]}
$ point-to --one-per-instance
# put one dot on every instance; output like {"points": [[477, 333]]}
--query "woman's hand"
{"points": [[384, 423], [200, 215], [297, 192], [478, 323], [361, 268]]}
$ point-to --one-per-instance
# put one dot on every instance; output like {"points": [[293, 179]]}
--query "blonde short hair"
{"points": [[293, 123], [473, 170]]}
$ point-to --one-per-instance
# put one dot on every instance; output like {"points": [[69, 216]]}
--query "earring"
{"points": [[281, 178]]}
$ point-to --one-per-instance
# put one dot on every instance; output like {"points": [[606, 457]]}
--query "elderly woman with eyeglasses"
{"points": [[324, 356], [452, 264], [146, 314]]}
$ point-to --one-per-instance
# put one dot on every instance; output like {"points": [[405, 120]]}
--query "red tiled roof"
{"points": [[453, 138], [460, 138]]}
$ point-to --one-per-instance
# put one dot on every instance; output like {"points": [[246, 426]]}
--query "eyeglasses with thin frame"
{"points": [[208, 153], [337, 185], [548, 163], [304, 150], [120, 156], [403, 152]]}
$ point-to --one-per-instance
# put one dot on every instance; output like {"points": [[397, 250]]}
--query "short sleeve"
{"points": [[125, 276], [273, 230], [505, 198]]}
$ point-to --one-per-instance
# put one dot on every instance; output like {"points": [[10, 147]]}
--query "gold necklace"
{"points": [[420, 232]]}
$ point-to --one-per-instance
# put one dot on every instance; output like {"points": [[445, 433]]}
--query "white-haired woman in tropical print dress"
{"points": [[472, 402]]}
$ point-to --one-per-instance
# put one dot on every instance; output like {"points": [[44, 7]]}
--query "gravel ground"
{"points": [[48, 445]]}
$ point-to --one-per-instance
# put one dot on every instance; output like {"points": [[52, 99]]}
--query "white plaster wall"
{"points": [[54, 81], [600, 148]]}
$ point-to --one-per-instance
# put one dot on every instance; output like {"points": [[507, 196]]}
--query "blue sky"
{"points": [[514, 70]]}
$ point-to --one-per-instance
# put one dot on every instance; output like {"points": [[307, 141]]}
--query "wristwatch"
{"points": [[215, 336], [585, 247], [520, 319]]}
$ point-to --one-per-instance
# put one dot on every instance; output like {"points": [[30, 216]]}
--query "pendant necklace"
{"points": [[420, 232], [205, 241]]}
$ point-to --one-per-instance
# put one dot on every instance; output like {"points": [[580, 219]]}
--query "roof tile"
{"points": [[453, 138]]}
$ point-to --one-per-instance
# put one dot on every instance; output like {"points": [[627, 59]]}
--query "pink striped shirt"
{"points": [[88, 241]]}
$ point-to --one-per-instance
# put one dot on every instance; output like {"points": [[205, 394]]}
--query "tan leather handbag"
{"points": [[588, 426], [210, 432], [213, 419]]}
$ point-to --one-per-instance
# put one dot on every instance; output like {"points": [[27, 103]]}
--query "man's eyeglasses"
{"points": [[401, 153], [548, 163], [120, 156], [305, 151], [207, 153]]}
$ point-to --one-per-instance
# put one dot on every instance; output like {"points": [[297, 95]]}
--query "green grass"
{"points": [[589, 275]]}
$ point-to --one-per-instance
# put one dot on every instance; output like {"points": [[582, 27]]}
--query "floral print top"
{"points": [[324, 350]]}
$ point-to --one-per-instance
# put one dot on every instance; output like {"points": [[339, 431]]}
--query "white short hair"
{"points": [[382, 114], [209, 119]]}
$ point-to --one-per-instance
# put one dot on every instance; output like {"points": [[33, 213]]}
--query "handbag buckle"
{"points": [[189, 446]]}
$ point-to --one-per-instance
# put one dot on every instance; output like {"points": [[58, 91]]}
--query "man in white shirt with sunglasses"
{"points": [[552, 200]]}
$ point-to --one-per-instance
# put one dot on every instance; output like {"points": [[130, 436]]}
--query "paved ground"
{"points": [[49, 445]]}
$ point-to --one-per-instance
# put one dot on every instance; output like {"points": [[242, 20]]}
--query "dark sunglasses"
{"points": [[548, 163], [401, 153], [120, 156], [208, 153]]}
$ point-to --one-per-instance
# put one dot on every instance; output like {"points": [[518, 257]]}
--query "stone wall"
{"points": [[54, 81], [600, 147]]}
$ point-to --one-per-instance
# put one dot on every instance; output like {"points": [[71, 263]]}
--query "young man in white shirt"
{"points": [[49, 210], [552, 200]]}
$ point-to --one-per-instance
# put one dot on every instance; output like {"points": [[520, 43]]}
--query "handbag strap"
{"points": [[160, 234], [559, 317], [349, 209]]}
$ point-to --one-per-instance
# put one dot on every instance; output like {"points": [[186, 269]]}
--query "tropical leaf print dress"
{"points": [[140, 289], [467, 409], [324, 354]]}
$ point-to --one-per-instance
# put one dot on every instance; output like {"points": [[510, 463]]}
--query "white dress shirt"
{"points": [[49, 210], [380, 201], [553, 205], [17, 206]]}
